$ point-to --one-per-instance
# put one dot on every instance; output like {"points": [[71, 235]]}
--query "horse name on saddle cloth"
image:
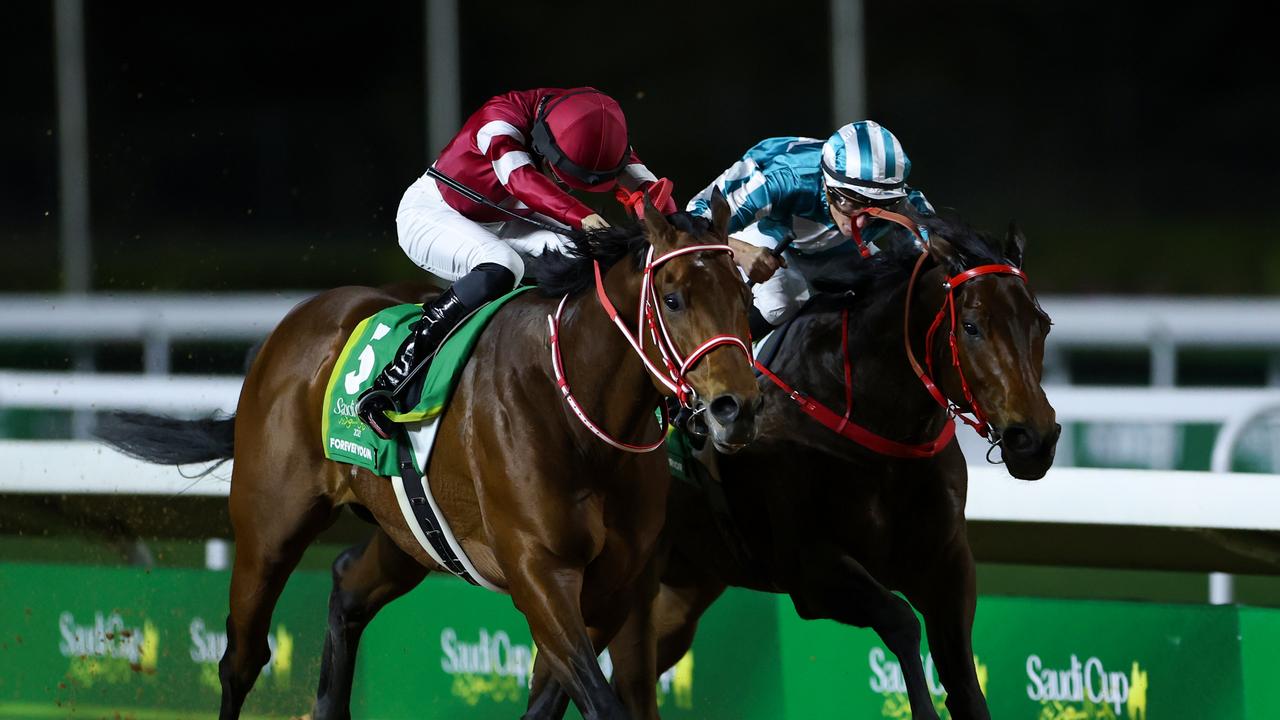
{"points": [[372, 345]]}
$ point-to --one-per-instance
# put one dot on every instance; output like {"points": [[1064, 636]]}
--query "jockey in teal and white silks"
{"points": [[815, 191]]}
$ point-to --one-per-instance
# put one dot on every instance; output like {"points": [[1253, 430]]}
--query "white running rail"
{"points": [[1160, 324], [191, 396], [185, 395], [1239, 501]]}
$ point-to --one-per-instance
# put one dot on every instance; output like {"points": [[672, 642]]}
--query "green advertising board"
{"points": [[1259, 634], [1052, 660], [1166, 446], [92, 642], [448, 650], [106, 642]]}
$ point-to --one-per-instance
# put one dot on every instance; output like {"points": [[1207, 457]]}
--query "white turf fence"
{"points": [[1131, 425], [1149, 498], [1136, 425]]}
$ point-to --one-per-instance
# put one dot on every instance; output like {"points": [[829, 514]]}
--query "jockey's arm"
{"points": [[747, 203], [921, 204], [635, 176], [758, 262], [503, 145]]}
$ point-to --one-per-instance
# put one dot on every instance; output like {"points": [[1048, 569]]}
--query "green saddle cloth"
{"points": [[372, 345], [680, 458]]}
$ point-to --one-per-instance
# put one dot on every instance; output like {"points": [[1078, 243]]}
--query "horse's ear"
{"points": [[1015, 244], [946, 255], [661, 234], [719, 212]]}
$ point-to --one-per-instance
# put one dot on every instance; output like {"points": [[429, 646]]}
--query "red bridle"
{"points": [[979, 421], [890, 216], [844, 427], [676, 368], [841, 424]]}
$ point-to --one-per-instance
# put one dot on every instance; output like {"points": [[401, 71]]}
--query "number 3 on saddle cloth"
{"points": [[403, 459]]}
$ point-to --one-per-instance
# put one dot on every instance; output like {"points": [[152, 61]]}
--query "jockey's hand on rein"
{"points": [[759, 263], [594, 222]]}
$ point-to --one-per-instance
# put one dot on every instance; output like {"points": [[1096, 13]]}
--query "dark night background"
{"points": [[260, 146]]}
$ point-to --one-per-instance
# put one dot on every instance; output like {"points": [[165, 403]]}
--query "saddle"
{"points": [[404, 457], [372, 344]]}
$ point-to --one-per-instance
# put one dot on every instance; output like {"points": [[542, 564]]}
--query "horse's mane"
{"points": [[572, 271], [858, 280]]}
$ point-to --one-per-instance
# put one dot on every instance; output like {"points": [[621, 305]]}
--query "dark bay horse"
{"points": [[838, 526], [564, 522]]}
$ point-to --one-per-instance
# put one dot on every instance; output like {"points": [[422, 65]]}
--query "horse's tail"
{"points": [[169, 441]]}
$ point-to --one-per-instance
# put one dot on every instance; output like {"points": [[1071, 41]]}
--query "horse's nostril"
{"points": [[725, 409], [1020, 439]]}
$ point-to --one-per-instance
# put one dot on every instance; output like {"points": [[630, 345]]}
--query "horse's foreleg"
{"points": [[547, 698], [365, 579], [548, 592], [633, 646], [672, 621], [272, 529], [947, 597], [834, 586]]}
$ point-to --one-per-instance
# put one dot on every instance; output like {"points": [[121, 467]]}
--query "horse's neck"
{"points": [[606, 376], [888, 398], [899, 405]]}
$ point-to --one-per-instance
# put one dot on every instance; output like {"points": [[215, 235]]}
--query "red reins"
{"points": [[948, 309], [841, 425], [677, 368]]}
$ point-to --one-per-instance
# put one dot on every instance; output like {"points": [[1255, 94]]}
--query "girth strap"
{"points": [[411, 481]]}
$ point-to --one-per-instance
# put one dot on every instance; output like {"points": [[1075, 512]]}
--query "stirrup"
{"points": [[372, 394], [370, 410], [382, 426]]}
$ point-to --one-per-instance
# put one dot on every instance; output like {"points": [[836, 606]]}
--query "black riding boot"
{"points": [[439, 317]]}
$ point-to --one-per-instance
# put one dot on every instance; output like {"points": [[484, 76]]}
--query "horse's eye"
{"points": [[672, 301], [971, 329]]}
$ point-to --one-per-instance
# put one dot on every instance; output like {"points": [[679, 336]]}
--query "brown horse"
{"points": [[544, 509], [836, 525]]}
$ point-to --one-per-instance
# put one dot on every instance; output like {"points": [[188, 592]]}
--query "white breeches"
{"points": [[448, 245], [781, 296]]}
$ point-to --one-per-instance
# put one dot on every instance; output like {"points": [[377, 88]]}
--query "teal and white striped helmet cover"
{"points": [[867, 159]]}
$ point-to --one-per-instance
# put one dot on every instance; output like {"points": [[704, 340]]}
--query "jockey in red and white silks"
{"points": [[521, 151]]}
